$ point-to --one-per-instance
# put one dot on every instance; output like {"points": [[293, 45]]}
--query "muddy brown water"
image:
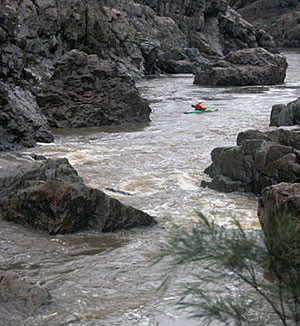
{"points": [[106, 279]]}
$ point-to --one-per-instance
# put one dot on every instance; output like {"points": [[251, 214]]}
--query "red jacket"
{"points": [[199, 107]]}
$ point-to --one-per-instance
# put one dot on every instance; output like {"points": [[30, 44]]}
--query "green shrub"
{"points": [[264, 270]]}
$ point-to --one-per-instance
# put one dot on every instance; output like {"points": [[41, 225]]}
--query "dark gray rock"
{"points": [[21, 123], [261, 159], [224, 184], [244, 67], [278, 212], [177, 60], [49, 195], [210, 26], [278, 202], [286, 115], [85, 91], [36, 34], [278, 17]]}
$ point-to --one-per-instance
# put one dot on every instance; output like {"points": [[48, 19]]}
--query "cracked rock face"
{"points": [[85, 91], [21, 122], [259, 160], [140, 37], [278, 18]]}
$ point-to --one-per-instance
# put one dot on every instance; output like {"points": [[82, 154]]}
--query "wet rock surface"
{"points": [[243, 68], [260, 159], [48, 194]]}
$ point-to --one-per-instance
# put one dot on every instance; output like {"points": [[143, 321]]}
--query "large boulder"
{"points": [[286, 115], [48, 194], [85, 91], [21, 122], [260, 159], [245, 67]]}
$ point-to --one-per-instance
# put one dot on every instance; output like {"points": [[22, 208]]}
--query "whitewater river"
{"points": [[106, 279]]}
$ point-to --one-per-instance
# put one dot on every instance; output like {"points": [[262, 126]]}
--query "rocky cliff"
{"points": [[279, 18], [132, 37]]}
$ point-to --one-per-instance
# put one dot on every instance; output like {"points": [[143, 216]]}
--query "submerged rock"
{"points": [[244, 67], [20, 297], [260, 159], [85, 91], [49, 195]]}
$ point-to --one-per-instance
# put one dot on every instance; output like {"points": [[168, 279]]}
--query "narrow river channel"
{"points": [[106, 279]]}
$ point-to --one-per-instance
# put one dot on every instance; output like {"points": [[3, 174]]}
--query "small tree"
{"points": [[267, 270]]}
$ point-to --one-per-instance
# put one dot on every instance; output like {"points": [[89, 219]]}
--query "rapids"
{"points": [[106, 279]]}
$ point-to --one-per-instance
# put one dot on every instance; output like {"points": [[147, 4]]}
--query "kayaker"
{"points": [[198, 107]]}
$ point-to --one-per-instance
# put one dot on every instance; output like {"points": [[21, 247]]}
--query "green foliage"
{"points": [[215, 259]]}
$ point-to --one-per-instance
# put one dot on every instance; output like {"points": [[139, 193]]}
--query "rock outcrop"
{"points": [[85, 91], [21, 122], [142, 37], [286, 115], [278, 201], [36, 34], [278, 17], [278, 213], [260, 159], [210, 26], [48, 194], [244, 68]]}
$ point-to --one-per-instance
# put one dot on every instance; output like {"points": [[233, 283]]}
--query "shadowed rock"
{"points": [[261, 159], [280, 18], [21, 123], [286, 115], [278, 201], [85, 91], [49, 195]]}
